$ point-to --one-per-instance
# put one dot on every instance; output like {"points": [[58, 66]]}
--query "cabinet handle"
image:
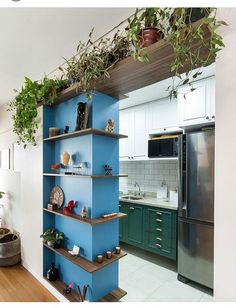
{"points": [[213, 117], [132, 157], [158, 245], [158, 213], [164, 129], [129, 157], [158, 229], [131, 208], [159, 220], [207, 118], [159, 239]]}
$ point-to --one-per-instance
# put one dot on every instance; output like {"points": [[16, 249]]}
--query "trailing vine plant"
{"points": [[181, 32], [95, 59], [25, 106]]}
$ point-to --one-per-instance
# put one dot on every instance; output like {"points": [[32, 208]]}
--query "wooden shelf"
{"points": [[60, 286], [114, 296], [102, 176], [89, 221], [88, 131], [85, 264], [129, 75]]}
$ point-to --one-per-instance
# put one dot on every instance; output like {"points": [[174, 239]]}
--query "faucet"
{"points": [[139, 190]]}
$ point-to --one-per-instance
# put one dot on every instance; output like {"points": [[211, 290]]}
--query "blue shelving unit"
{"points": [[99, 194]]}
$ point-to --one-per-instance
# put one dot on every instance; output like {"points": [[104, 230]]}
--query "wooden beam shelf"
{"points": [[89, 221], [102, 176], [129, 75], [85, 264], [60, 286], [114, 296], [88, 131]]}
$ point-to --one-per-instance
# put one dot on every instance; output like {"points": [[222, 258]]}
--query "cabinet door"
{"points": [[135, 225], [194, 106], [212, 97], [163, 116], [138, 139], [122, 222], [124, 149]]}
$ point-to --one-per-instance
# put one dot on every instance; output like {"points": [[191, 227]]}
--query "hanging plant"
{"points": [[179, 29], [182, 33], [25, 106], [95, 60]]}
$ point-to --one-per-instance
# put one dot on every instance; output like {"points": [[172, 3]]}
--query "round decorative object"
{"points": [[57, 196]]}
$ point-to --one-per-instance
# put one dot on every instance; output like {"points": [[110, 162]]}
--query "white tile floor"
{"points": [[149, 278]]}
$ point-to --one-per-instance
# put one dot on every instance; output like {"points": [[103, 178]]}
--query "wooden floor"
{"points": [[18, 285]]}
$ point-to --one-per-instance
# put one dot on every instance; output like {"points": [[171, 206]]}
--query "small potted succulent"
{"points": [[52, 238]]}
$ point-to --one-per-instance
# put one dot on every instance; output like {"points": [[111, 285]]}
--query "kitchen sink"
{"points": [[132, 197]]}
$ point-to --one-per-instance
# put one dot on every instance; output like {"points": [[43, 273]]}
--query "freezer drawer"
{"points": [[195, 252]]}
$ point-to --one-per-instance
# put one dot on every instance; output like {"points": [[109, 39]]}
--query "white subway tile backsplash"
{"points": [[149, 175]]}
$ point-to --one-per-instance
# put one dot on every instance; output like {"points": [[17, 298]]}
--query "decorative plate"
{"points": [[57, 196]]}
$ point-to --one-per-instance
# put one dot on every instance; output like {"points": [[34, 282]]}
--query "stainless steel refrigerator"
{"points": [[196, 207]]}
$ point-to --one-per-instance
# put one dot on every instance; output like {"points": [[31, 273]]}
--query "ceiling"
{"points": [[158, 90], [34, 40]]}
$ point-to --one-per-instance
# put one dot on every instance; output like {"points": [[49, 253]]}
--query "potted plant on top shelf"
{"points": [[143, 30]]}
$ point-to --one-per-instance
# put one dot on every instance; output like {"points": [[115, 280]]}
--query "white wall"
{"points": [[225, 165], [23, 203]]}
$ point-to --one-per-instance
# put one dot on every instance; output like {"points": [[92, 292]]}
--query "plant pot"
{"points": [[51, 244], [196, 14], [149, 36]]}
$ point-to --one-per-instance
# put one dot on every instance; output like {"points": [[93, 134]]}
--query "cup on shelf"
{"points": [[108, 254], [53, 131], [99, 258], [117, 250]]}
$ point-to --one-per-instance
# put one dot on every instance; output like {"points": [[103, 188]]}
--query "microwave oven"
{"points": [[165, 146]]}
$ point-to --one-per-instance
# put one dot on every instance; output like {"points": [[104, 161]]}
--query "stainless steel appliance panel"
{"points": [[199, 180], [195, 252]]}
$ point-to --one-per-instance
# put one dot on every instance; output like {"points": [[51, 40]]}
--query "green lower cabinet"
{"points": [[153, 229], [122, 222], [134, 229]]}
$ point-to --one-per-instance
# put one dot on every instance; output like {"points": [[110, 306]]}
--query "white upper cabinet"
{"points": [[124, 129], [163, 116], [197, 107], [133, 122]]}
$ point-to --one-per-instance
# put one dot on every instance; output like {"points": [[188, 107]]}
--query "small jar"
{"points": [[99, 258], [53, 131], [108, 254], [117, 250]]}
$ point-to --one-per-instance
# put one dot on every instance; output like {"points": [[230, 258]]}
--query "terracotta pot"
{"points": [[149, 36]]}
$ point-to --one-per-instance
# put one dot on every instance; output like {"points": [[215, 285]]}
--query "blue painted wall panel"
{"points": [[105, 280], [69, 272], [76, 234]]}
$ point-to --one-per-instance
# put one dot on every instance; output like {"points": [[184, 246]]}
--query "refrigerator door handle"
{"points": [[182, 196]]}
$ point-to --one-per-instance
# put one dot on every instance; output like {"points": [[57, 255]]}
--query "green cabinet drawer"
{"points": [[156, 220], [163, 246]]}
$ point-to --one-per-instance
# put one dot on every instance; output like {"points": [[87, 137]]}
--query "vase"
{"points": [[52, 273], [65, 158]]}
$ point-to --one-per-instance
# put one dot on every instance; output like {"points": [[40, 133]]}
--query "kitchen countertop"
{"points": [[152, 202]]}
